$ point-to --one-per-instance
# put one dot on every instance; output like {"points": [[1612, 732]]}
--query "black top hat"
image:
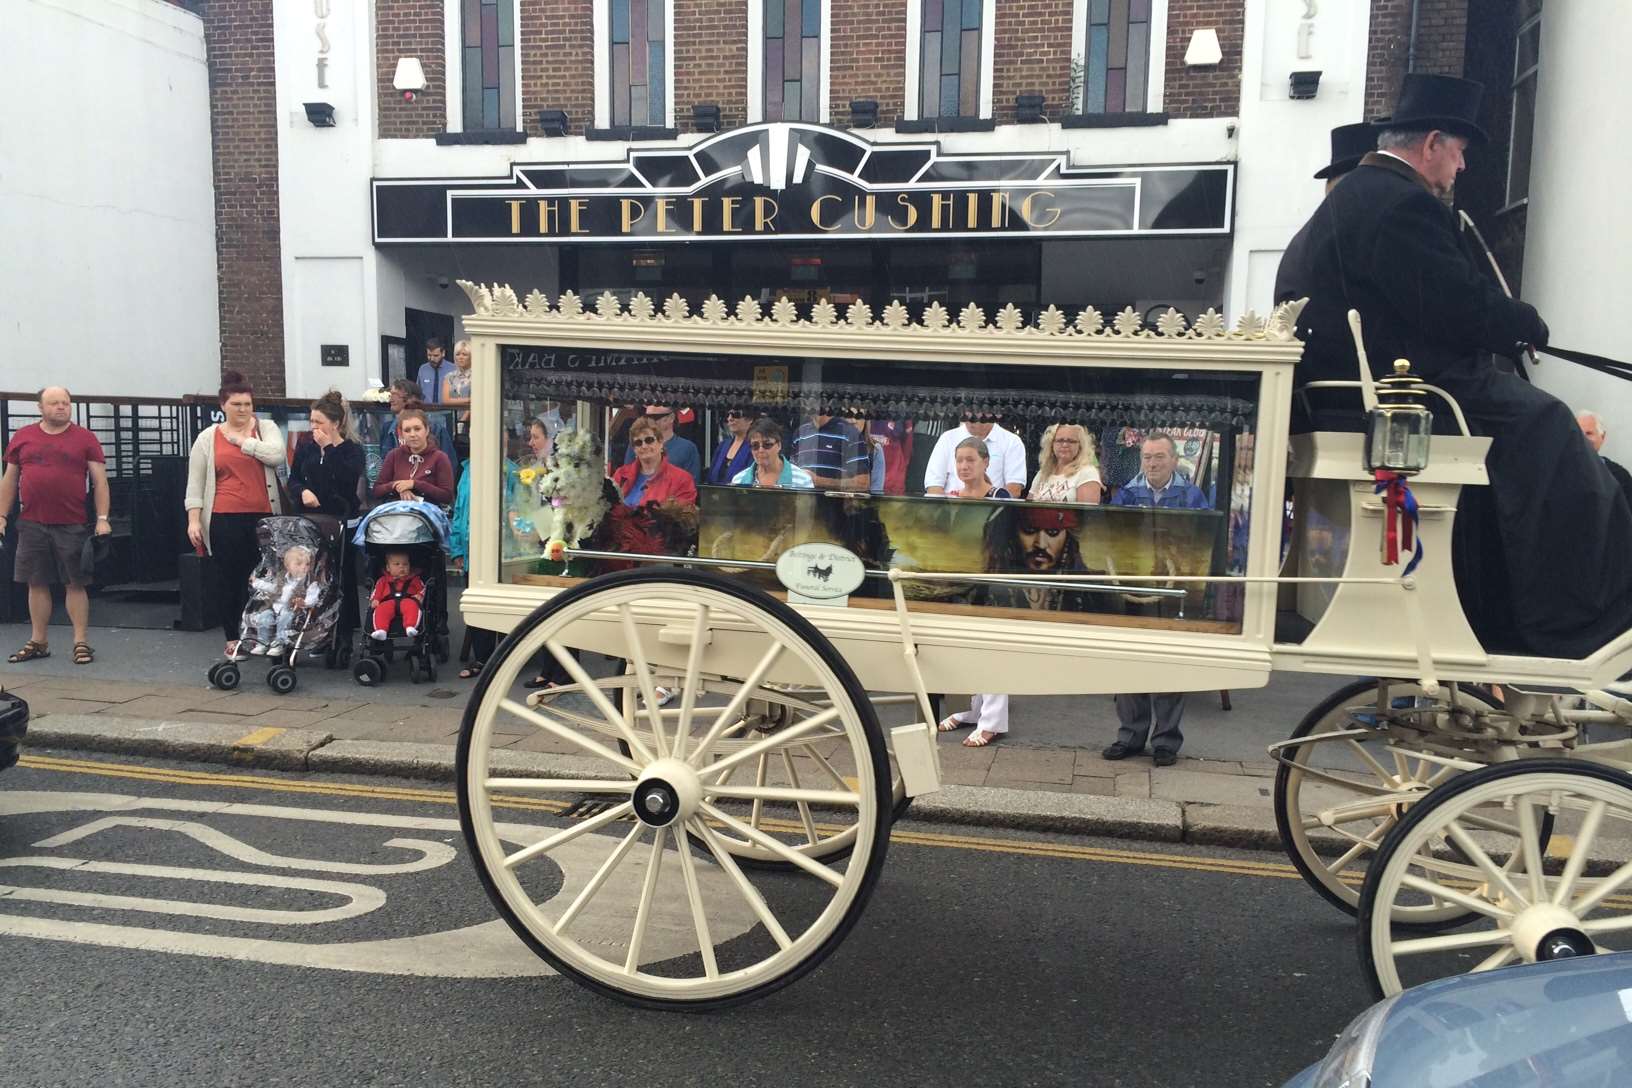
{"points": [[1350, 143], [1443, 102]]}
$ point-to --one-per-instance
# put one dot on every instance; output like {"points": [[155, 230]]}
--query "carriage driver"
{"points": [[1541, 555]]}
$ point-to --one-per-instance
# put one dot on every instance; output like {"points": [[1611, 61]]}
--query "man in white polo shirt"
{"points": [[1008, 466]]}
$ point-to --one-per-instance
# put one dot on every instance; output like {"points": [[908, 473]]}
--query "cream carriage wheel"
{"points": [[1355, 776], [1526, 906], [629, 885]]}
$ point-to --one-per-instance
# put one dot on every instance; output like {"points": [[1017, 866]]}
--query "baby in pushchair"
{"points": [[406, 544], [398, 595], [286, 595], [295, 603]]}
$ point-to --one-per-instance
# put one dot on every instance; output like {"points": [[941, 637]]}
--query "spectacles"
{"points": [[658, 415], [1067, 441], [768, 444], [648, 440], [734, 414]]}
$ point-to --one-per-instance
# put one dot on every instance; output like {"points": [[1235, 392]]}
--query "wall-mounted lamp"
{"points": [[552, 122], [1305, 84], [410, 77], [320, 114], [1028, 109], [705, 117], [1204, 49], [863, 112]]}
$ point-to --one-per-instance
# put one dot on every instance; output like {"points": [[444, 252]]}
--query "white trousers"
{"points": [[988, 713]]}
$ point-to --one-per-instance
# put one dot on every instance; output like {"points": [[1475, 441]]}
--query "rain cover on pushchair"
{"points": [[294, 592]]}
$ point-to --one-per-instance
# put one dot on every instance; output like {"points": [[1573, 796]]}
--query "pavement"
{"points": [[146, 695]]}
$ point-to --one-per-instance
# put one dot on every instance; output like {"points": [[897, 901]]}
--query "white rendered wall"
{"points": [[1578, 242], [330, 294], [107, 208], [1282, 142]]}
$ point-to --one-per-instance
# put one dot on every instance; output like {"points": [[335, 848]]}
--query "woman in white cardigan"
{"points": [[232, 483]]}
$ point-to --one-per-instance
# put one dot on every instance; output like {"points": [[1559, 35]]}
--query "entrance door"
{"points": [[419, 326]]}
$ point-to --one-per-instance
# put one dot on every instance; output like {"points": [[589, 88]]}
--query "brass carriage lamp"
{"points": [[1399, 426]]}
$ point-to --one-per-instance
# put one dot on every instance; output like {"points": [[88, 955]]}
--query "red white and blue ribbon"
{"points": [[1400, 520]]}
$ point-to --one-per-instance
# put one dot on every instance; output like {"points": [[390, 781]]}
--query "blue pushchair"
{"points": [[420, 530]]}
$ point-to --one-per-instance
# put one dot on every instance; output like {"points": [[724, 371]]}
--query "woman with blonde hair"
{"points": [[1067, 470]]}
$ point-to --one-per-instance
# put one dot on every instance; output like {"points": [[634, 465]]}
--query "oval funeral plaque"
{"points": [[820, 571]]}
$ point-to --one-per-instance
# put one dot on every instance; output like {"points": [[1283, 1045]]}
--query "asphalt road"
{"points": [[981, 959]]}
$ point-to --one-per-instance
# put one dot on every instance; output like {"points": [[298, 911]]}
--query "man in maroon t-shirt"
{"points": [[49, 461]]}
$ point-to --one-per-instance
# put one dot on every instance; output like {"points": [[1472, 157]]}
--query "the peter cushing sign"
{"points": [[791, 181]]}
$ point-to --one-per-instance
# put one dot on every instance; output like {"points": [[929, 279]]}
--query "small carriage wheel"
{"points": [[214, 673], [415, 673], [281, 679], [640, 912], [1326, 784], [227, 676], [1526, 907], [368, 671]]}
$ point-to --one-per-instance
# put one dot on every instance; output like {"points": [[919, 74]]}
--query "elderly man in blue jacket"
{"points": [[1157, 716]]}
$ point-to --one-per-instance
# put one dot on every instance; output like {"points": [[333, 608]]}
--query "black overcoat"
{"points": [[1542, 559]]}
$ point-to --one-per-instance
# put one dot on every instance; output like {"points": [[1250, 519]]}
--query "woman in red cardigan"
{"points": [[644, 482], [415, 469]]}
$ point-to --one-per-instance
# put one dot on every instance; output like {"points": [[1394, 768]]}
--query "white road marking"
{"points": [[360, 898], [432, 855], [486, 950]]}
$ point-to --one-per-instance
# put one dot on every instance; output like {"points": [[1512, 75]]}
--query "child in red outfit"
{"points": [[399, 592]]}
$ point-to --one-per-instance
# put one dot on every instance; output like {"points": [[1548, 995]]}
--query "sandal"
{"points": [[83, 654], [29, 652], [980, 739], [539, 682], [472, 670], [950, 723]]}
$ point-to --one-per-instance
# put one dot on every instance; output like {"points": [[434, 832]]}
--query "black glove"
{"points": [[1542, 341]]}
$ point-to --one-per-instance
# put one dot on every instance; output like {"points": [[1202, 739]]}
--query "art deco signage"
{"points": [[798, 181]]}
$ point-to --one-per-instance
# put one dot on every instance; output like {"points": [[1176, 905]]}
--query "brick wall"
{"points": [[557, 61], [868, 56], [1442, 29], [1032, 56], [244, 142], [410, 28], [710, 60], [1215, 90]]}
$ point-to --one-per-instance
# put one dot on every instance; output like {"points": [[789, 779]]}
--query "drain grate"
{"points": [[588, 807]]}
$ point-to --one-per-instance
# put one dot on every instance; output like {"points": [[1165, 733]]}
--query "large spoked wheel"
{"points": [[1338, 795], [632, 884], [1527, 907]]}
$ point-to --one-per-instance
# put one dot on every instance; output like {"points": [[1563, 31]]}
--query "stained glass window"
{"points": [[1116, 60], [949, 83], [639, 57], [489, 70], [793, 60]]}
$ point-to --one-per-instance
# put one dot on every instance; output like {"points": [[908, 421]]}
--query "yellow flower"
{"points": [[527, 476]]}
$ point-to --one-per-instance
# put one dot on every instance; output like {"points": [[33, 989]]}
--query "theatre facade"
{"points": [[1074, 153]]}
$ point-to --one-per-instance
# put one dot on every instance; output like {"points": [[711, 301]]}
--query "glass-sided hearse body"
{"points": [[1215, 396]]}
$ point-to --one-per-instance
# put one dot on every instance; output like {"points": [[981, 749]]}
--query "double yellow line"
{"points": [[261, 783]]}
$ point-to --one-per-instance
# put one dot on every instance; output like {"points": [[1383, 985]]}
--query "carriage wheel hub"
{"points": [[668, 792], [1549, 932]]}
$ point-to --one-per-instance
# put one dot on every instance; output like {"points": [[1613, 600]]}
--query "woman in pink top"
{"points": [[415, 469]]}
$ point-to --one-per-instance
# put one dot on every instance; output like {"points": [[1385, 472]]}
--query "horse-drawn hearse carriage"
{"points": [[740, 718]]}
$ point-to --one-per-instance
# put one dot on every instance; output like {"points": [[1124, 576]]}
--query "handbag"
{"points": [[285, 501]]}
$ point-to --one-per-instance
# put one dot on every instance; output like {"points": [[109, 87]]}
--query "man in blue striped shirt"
{"points": [[835, 454]]}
